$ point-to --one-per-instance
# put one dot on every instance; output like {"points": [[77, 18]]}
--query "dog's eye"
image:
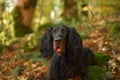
{"points": [[64, 31]]}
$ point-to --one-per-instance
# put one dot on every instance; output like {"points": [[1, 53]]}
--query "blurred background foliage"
{"points": [[19, 18]]}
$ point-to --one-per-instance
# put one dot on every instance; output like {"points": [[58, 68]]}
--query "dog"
{"points": [[70, 58]]}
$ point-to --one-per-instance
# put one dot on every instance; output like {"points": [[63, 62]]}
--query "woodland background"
{"points": [[23, 23]]}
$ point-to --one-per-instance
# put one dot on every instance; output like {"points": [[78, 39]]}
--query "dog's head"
{"points": [[59, 39], [59, 34]]}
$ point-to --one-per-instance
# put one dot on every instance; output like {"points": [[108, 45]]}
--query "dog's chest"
{"points": [[68, 68]]}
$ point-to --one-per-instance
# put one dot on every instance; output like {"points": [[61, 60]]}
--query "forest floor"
{"points": [[14, 67]]}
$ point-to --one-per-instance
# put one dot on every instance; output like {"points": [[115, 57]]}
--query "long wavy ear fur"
{"points": [[46, 45], [74, 41]]}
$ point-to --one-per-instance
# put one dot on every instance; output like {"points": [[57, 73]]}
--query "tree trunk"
{"points": [[23, 14], [27, 10]]}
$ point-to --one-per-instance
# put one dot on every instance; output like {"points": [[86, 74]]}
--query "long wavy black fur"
{"points": [[73, 62], [46, 45]]}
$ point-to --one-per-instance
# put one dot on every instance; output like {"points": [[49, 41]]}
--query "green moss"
{"points": [[16, 13], [101, 58], [21, 29], [96, 73]]}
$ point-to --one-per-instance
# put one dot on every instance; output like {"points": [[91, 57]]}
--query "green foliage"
{"points": [[114, 31], [6, 33], [83, 35], [31, 41], [16, 71], [34, 57], [108, 7], [96, 73], [101, 58], [99, 73], [19, 55], [29, 56], [2, 47], [16, 13], [26, 46], [2, 6], [45, 26]]}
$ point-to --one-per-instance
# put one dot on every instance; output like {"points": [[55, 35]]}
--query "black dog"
{"points": [[70, 58]]}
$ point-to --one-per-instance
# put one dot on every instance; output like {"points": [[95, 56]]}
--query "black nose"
{"points": [[57, 39]]}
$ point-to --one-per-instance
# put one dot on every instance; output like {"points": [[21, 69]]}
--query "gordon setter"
{"points": [[70, 58]]}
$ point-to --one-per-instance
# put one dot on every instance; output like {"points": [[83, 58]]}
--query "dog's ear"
{"points": [[74, 41], [46, 45]]}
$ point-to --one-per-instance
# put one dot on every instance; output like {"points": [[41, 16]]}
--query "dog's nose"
{"points": [[57, 39]]}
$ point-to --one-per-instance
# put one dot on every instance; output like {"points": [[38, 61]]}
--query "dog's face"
{"points": [[59, 34]]}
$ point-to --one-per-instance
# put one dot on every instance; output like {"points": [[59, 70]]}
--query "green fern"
{"points": [[16, 71]]}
